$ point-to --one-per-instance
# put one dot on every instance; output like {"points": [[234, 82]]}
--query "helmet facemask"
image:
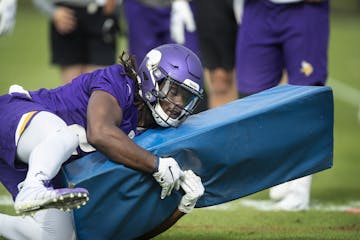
{"points": [[170, 81], [175, 102]]}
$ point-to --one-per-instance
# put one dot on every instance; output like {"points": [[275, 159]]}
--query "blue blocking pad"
{"points": [[238, 149]]}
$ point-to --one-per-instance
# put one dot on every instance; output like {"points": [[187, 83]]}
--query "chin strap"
{"points": [[160, 116]]}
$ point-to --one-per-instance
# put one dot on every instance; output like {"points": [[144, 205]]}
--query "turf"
{"points": [[24, 59], [245, 223]]}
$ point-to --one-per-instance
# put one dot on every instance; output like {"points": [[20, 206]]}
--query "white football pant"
{"points": [[48, 224], [45, 145]]}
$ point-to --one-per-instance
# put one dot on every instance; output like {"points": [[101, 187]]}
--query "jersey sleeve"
{"points": [[112, 81]]}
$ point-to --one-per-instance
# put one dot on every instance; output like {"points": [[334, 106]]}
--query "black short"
{"points": [[217, 30], [90, 43]]}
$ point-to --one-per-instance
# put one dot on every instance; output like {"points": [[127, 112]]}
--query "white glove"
{"points": [[238, 6], [193, 188], [7, 16], [181, 19], [168, 175]]}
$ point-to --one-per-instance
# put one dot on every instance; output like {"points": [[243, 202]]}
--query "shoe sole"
{"points": [[64, 202]]}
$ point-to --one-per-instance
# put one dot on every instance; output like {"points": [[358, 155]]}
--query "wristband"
{"points": [[156, 167]]}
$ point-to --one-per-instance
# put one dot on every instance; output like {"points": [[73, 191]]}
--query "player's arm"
{"points": [[194, 189], [104, 116], [64, 18], [170, 221]]}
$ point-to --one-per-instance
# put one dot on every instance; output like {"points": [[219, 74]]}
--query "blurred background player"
{"points": [[82, 34], [7, 16], [107, 106], [277, 35], [217, 26], [155, 22]]}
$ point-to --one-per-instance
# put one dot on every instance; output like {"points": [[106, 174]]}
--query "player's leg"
{"points": [[45, 144], [306, 47], [191, 38], [259, 59], [49, 224], [67, 50], [217, 28], [305, 52], [148, 27], [68, 73], [100, 38], [278, 192], [221, 86], [295, 195]]}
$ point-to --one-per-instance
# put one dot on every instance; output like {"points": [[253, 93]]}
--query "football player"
{"points": [[104, 110], [297, 42], [161, 21]]}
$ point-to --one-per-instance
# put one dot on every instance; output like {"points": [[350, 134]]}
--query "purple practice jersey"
{"points": [[70, 103]]}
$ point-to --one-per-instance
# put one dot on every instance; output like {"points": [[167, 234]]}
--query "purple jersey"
{"points": [[69, 102]]}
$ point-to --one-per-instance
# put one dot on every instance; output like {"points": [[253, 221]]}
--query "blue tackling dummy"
{"points": [[238, 149]]}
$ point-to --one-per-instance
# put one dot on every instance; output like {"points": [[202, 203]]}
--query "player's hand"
{"points": [[109, 7], [193, 188], [238, 6], [181, 19], [168, 175], [109, 30], [64, 20], [7, 16]]}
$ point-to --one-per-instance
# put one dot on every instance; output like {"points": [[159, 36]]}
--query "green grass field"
{"points": [[24, 59]]}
